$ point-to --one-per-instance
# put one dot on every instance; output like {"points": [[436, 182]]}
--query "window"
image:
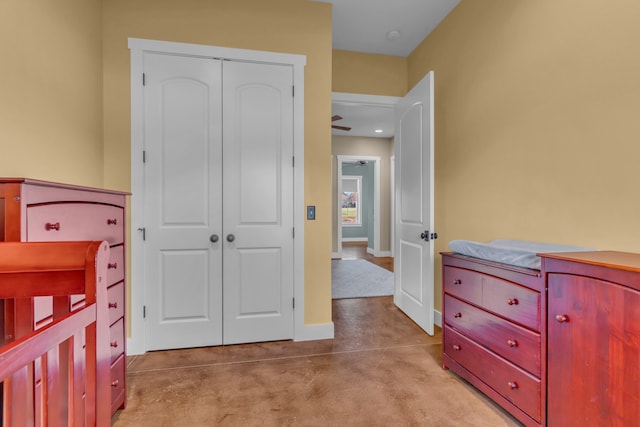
{"points": [[351, 200]]}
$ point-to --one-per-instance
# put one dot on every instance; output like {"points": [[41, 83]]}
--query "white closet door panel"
{"points": [[259, 153], [183, 189], [258, 202], [183, 297], [184, 149], [258, 269]]}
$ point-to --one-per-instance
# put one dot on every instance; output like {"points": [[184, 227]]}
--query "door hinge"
{"points": [[294, 302], [144, 79], [293, 232], [144, 233], [144, 156], [293, 161], [144, 311], [293, 91]]}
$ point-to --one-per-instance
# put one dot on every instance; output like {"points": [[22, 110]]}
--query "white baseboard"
{"points": [[384, 253], [355, 239], [134, 347], [437, 318], [322, 331], [336, 255]]}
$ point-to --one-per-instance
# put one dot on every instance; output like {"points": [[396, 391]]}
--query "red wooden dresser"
{"points": [[494, 332], [594, 338], [37, 211]]}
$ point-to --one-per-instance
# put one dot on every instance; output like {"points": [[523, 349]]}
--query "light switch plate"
{"points": [[311, 212]]}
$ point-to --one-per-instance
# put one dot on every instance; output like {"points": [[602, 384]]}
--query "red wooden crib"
{"points": [[59, 374]]}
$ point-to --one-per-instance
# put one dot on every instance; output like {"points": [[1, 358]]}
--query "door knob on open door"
{"points": [[213, 238], [231, 238], [425, 235]]}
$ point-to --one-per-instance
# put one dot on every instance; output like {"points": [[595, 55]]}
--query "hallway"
{"points": [[358, 250], [380, 369]]}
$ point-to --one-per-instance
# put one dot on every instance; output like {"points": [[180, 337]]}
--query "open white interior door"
{"points": [[413, 265]]}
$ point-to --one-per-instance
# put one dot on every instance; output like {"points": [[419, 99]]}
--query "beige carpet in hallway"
{"points": [[379, 370]]}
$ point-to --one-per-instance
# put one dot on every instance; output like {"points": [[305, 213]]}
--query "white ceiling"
{"points": [[364, 114], [364, 120], [362, 26]]}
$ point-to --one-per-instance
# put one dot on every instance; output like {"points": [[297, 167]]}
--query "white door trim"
{"points": [[362, 99], [392, 200], [136, 342]]}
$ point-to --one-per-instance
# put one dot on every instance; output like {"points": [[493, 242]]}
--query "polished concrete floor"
{"points": [[380, 369]]}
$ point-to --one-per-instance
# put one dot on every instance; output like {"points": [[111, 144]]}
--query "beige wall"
{"points": [[361, 146], [369, 74], [537, 130], [51, 90], [289, 26]]}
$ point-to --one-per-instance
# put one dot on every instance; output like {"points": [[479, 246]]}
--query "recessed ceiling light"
{"points": [[393, 35], [378, 131]]}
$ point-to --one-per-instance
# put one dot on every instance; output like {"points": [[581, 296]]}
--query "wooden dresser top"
{"points": [[610, 259], [4, 180]]}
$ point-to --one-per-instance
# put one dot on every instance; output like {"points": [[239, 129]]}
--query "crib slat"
{"points": [[39, 365], [19, 389], [77, 393]]}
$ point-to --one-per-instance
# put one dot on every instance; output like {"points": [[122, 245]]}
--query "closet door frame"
{"points": [[136, 342]]}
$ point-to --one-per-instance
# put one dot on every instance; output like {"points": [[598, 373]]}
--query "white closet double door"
{"points": [[218, 209]]}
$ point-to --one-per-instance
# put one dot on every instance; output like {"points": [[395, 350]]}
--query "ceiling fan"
{"points": [[335, 118]]}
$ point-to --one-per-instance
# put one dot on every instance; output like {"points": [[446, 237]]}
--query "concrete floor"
{"points": [[380, 369]]}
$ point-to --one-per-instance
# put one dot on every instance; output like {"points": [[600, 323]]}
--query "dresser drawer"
{"points": [[510, 300], [115, 266], [515, 343], [115, 296], [118, 383], [464, 284], [75, 221], [517, 386], [116, 339]]}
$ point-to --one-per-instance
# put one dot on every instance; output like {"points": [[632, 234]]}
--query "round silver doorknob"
{"points": [[231, 238], [214, 238]]}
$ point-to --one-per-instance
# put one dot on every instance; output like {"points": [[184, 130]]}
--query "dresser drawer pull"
{"points": [[457, 315], [512, 343], [561, 318], [111, 266], [114, 344], [457, 282], [512, 301], [49, 226], [456, 347], [512, 385], [113, 305], [115, 383], [113, 221]]}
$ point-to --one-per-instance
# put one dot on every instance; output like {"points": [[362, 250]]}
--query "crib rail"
{"points": [[58, 375]]}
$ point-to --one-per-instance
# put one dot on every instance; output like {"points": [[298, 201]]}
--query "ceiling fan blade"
{"points": [[336, 117], [345, 128]]}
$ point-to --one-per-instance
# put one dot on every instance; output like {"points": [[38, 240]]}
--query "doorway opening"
{"points": [[359, 249]]}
